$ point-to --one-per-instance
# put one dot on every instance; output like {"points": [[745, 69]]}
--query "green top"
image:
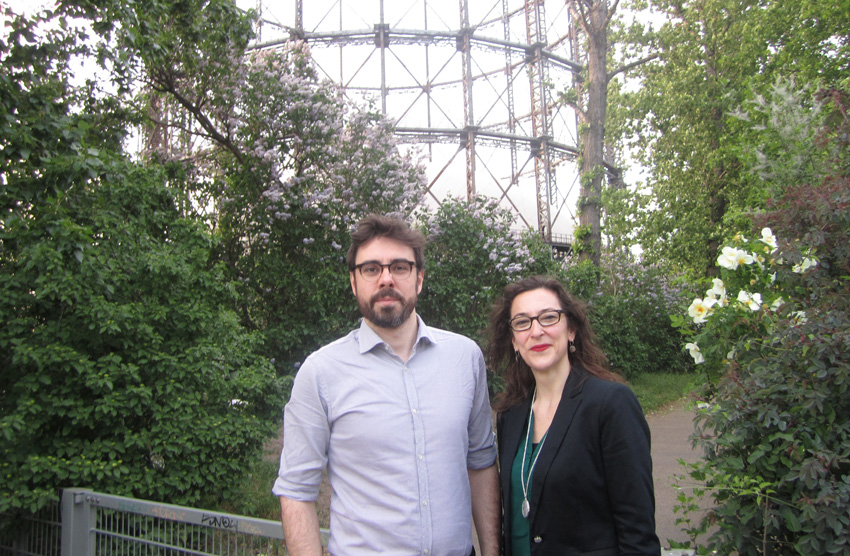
{"points": [[520, 541]]}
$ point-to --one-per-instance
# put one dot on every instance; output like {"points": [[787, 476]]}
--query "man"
{"points": [[399, 413]]}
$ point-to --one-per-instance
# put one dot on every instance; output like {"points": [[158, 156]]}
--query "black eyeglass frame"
{"points": [[388, 265], [537, 318]]}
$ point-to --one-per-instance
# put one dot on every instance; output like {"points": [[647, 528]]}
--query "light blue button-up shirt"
{"points": [[397, 439]]}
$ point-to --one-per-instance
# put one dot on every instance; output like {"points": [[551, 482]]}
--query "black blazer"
{"points": [[592, 491]]}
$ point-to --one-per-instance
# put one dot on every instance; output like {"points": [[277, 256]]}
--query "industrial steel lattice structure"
{"points": [[471, 82]]}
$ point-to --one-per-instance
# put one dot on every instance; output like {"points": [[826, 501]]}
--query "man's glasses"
{"points": [[546, 318], [372, 270]]}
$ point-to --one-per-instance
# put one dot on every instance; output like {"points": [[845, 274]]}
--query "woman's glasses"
{"points": [[546, 318]]}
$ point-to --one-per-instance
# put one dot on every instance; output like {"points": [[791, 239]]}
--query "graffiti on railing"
{"points": [[85, 520], [219, 521]]}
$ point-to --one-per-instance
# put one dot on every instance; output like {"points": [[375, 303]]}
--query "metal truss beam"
{"points": [[477, 76]]}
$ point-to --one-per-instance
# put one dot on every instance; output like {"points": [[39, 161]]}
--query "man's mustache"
{"points": [[385, 293]]}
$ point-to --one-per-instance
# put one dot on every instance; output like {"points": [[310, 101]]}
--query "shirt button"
{"points": [[414, 411], [421, 456], [425, 503], [538, 540]]}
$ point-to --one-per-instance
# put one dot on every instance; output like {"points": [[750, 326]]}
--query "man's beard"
{"points": [[391, 316]]}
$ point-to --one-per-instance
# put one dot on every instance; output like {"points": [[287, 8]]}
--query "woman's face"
{"points": [[544, 348]]}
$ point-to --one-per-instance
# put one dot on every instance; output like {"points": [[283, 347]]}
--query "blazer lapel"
{"points": [[570, 401], [512, 432]]}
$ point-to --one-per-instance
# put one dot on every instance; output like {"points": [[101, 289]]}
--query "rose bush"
{"points": [[770, 337]]}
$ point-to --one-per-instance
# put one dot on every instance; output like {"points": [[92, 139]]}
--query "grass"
{"points": [[654, 391], [657, 390]]}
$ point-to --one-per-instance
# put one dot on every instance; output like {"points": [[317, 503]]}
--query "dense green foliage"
{"points": [[471, 256], [711, 57], [632, 316], [629, 308], [772, 340], [122, 364]]}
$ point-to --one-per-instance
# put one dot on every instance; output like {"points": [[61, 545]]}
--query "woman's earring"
{"points": [[572, 347], [516, 355]]}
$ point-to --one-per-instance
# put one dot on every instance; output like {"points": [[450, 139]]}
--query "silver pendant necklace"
{"points": [[526, 483]]}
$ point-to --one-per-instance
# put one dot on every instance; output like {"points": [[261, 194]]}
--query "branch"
{"points": [[627, 67], [581, 113], [610, 13], [581, 15], [208, 126], [202, 119]]}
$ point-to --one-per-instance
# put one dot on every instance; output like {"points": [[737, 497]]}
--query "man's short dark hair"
{"points": [[375, 226]]}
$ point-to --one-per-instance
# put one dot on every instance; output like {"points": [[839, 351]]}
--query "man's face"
{"points": [[388, 301]]}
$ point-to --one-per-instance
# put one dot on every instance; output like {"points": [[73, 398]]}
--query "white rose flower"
{"points": [[700, 309], [693, 349], [804, 265], [744, 257], [768, 238], [728, 258], [718, 289], [731, 258], [799, 317], [751, 300]]}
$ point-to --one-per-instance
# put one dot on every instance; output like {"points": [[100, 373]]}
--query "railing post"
{"points": [[78, 522]]}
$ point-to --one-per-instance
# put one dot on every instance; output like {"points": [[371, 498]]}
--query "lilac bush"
{"points": [[287, 165], [630, 307], [473, 252]]}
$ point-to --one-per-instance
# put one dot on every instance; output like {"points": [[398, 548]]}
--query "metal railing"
{"points": [[35, 534], [97, 524], [92, 523]]}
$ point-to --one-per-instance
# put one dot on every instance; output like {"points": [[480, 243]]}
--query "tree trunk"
{"points": [[592, 169]]}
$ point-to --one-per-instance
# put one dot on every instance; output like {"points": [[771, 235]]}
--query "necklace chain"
{"points": [[526, 483]]}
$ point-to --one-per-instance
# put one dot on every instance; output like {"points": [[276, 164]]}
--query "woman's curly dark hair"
{"points": [[516, 373]]}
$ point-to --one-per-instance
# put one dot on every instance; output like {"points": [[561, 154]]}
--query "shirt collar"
{"points": [[368, 338]]}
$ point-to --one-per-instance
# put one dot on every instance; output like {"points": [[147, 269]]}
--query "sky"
{"points": [[27, 6]]}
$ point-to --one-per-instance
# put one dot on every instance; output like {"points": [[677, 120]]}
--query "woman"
{"points": [[575, 467]]}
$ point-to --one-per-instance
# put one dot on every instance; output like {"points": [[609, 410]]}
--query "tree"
{"points": [[122, 367], [706, 56], [590, 100], [713, 56], [284, 165], [810, 41]]}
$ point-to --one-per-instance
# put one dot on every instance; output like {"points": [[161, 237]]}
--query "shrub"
{"points": [[122, 365], [775, 414], [778, 418], [123, 369], [471, 255], [630, 304]]}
